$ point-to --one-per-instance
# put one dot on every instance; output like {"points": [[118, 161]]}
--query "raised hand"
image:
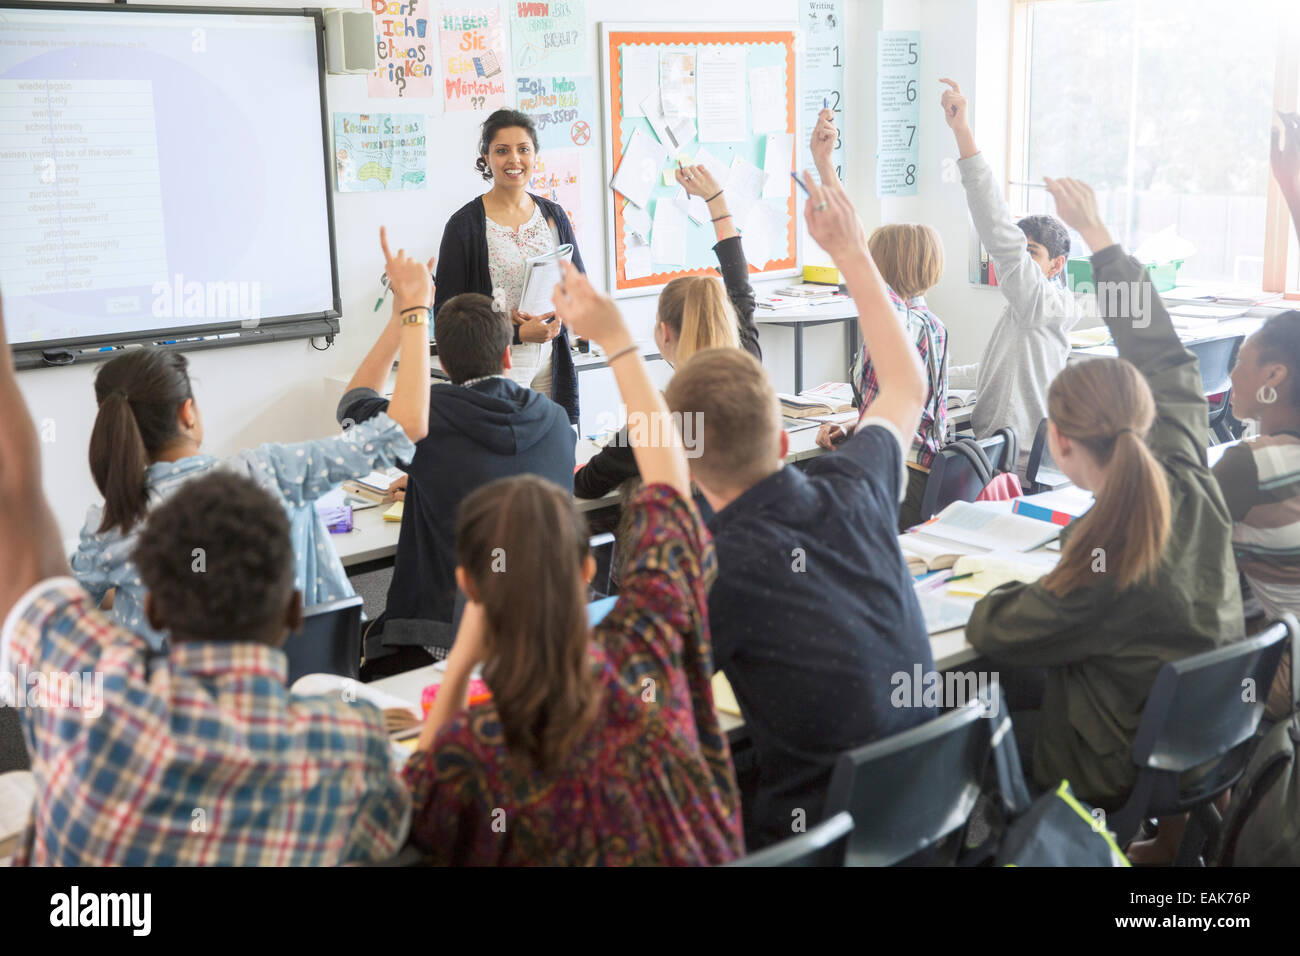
{"points": [[589, 313], [953, 101], [824, 136], [410, 279], [698, 181], [1285, 156], [1076, 204]]}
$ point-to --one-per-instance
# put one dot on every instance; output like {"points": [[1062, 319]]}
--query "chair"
{"points": [[907, 792], [1041, 473], [1194, 715], [1216, 357], [962, 469], [329, 641], [823, 845], [602, 549], [13, 750]]}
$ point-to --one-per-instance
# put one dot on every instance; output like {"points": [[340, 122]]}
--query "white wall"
{"points": [[276, 392]]}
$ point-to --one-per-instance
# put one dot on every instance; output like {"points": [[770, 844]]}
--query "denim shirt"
{"points": [[296, 474]]}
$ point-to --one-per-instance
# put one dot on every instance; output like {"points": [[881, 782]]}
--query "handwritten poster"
{"points": [[379, 151], [563, 107], [548, 36], [473, 69], [898, 114], [822, 22], [555, 177], [403, 38]]}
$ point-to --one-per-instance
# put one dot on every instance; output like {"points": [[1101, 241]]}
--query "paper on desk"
{"points": [[640, 70], [722, 94], [639, 170], [778, 150], [993, 570], [767, 98], [668, 239], [637, 263]]}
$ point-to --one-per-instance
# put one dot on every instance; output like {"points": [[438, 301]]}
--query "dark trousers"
{"points": [[1023, 688]]}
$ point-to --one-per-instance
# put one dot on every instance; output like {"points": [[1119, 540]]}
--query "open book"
{"points": [[376, 486], [960, 397], [541, 275], [988, 529], [924, 553], [829, 398], [399, 716], [989, 571]]}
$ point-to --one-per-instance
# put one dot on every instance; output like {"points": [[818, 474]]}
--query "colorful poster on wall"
{"points": [[563, 107], [555, 177], [898, 112], [822, 23], [404, 40], [473, 62], [379, 151], [548, 36]]}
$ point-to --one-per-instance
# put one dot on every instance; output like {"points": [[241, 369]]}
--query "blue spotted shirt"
{"points": [[297, 474]]}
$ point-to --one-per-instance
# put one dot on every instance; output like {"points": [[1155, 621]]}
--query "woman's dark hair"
{"points": [[140, 395], [1279, 339], [499, 120], [522, 542]]}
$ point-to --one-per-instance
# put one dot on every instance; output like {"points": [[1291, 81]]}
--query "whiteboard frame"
{"points": [[606, 147]]}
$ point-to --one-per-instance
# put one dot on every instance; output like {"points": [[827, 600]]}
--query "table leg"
{"points": [[798, 358]]}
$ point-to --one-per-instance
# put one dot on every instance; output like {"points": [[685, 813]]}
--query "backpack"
{"points": [[1262, 825]]}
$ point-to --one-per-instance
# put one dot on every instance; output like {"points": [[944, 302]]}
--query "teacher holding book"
{"points": [[488, 242]]}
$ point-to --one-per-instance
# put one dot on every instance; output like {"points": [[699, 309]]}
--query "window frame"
{"points": [[1279, 235]]}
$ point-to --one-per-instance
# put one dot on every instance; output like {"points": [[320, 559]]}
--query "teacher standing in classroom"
{"points": [[487, 241]]}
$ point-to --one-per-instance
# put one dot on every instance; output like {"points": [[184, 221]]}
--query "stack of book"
{"points": [[802, 295]]}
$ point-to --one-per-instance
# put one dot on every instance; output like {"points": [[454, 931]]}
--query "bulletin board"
{"points": [[765, 46]]}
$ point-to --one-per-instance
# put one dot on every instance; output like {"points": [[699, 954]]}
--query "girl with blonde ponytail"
{"points": [[1146, 576]]}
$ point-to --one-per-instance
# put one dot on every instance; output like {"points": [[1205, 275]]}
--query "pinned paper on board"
{"points": [[562, 107], [767, 99], [548, 36], [778, 154], [638, 264], [673, 134], [637, 221], [744, 189], [721, 172], [695, 206], [721, 116], [379, 151], [640, 72], [638, 172], [677, 84], [668, 238], [764, 236], [404, 50], [471, 59]]}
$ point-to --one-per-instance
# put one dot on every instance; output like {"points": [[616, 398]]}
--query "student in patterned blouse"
{"points": [[598, 746], [199, 756]]}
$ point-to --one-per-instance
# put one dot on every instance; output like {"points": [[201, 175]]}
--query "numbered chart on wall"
{"points": [[898, 113]]}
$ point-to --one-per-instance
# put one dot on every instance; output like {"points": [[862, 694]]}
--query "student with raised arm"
{"points": [[208, 734], [910, 259], [1146, 576], [1030, 343], [813, 613], [148, 432], [693, 313], [598, 746]]}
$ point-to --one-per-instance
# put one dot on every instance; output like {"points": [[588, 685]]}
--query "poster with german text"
{"points": [[404, 41], [473, 61], [548, 36]]}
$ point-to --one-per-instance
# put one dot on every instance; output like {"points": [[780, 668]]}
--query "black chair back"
{"points": [[909, 791], [329, 641], [823, 845], [13, 750], [959, 472]]}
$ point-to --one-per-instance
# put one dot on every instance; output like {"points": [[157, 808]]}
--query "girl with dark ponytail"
{"points": [[148, 431], [1146, 576]]}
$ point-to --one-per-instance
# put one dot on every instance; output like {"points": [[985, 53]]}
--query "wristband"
{"points": [[621, 352], [715, 196], [722, 217], [418, 315]]}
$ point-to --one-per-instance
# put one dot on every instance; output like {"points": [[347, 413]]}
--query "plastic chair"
{"points": [[823, 845], [1194, 715], [1215, 357], [962, 469], [907, 792], [602, 549], [329, 641]]}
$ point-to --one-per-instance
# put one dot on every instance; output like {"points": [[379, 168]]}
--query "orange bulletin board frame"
{"points": [[615, 36]]}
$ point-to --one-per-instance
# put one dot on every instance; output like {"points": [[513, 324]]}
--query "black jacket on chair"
{"points": [[463, 267]]}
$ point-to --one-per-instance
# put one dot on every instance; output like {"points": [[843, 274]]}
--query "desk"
{"points": [[1246, 325], [800, 319]]}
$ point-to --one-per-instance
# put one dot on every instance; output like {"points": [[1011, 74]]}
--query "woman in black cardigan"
{"points": [[614, 464], [465, 263]]}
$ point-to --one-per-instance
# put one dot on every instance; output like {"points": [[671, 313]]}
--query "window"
{"points": [[1164, 107]]}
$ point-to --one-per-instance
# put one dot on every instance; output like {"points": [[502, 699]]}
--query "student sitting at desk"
{"points": [[481, 426], [146, 439], [598, 746], [813, 609], [1146, 576], [200, 756], [692, 314], [1030, 343]]}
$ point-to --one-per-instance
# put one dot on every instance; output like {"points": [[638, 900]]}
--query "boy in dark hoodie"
{"points": [[482, 426]]}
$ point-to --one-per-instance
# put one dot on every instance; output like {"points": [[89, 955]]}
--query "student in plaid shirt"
{"points": [[201, 756]]}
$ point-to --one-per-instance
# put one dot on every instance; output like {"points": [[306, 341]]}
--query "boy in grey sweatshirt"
{"points": [[1030, 344]]}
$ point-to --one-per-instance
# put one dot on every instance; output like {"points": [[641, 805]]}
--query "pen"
{"points": [[961, 577], [796, 178], [826, 103]]}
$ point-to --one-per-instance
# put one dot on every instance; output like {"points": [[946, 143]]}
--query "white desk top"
{"points": [[831, 312], [1244, 325]]}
